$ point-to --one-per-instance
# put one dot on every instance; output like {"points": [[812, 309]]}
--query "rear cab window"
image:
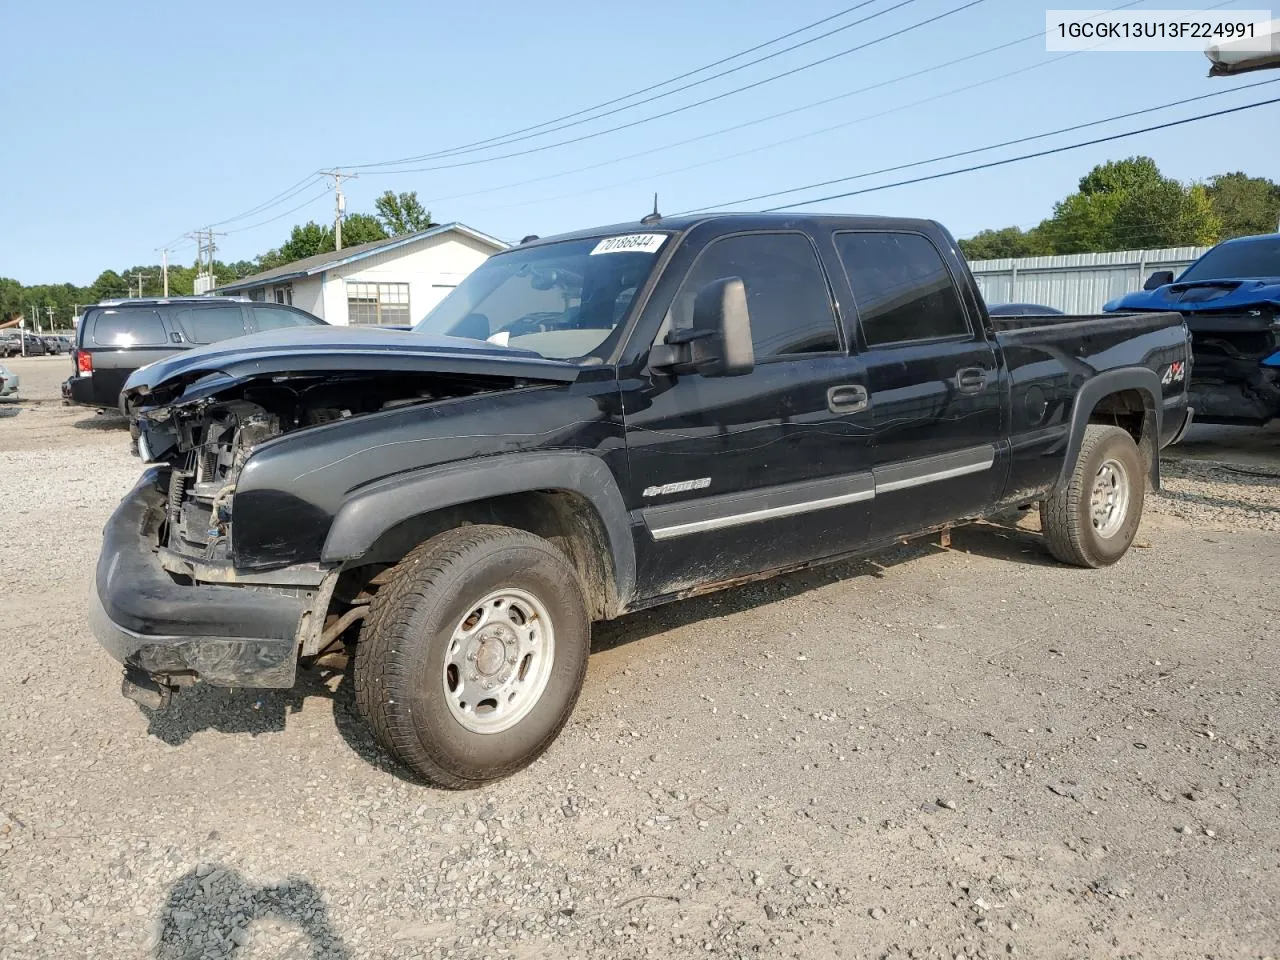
{"points": [[128, 327], [902, 288], [201, 324]]}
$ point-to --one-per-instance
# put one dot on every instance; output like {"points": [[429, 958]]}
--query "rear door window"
{"points": [[903, 289], [210, 324], [129, 328], [278, 318]]}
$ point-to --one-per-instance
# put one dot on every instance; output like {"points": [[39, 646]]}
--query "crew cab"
{"points": [[1230, 299], [593, 424]]}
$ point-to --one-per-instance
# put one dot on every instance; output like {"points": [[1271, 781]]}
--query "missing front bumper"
{"points": [[225, 635]]}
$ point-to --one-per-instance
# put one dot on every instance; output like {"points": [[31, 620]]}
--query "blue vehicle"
{"points": [[1230, 299]]}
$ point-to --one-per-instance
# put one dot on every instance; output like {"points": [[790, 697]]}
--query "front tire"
{"points": [[473, 655], [1092, 521]]}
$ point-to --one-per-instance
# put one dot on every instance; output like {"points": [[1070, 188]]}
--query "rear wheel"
{"points": [[1092, 521], [473, 655]]}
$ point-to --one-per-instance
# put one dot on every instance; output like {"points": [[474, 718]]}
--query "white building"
{"points": [[392, 281]]}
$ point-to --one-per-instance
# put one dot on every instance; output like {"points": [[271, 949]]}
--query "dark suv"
{"points": [[116, 337]]}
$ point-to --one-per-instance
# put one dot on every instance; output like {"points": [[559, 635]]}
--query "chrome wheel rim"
{"points": [[1109, 499], [498, 661]]}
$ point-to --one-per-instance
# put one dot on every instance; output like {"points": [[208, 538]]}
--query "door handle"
{"points": [[971, 379], [847, 398]]}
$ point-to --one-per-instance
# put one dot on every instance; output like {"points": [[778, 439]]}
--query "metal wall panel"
{"points": [[1077, 282]]}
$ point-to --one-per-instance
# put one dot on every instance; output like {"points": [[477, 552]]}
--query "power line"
{"points": [[983, 149], [774, 116], [635, 93], [286, 194], [798, 137], [509, 139], [281, 216], [689, 106], [1018, 159], [759, 120]]}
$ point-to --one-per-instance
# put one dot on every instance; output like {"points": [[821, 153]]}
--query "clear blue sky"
{"points": [[126, 125]]}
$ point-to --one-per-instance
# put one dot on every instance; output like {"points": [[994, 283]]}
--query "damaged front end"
{"points": [[188, 590], [1233, 378]]}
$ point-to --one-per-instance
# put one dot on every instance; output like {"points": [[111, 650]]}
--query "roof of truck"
{"points": [[748, 221]]}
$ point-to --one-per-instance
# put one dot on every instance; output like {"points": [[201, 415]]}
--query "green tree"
{"points": [[1081, 223], [1120, 176], [109, 284], [1246, 205], [11, 298], [360, 228], [1130, 204], [402, 213], [306, 240], [1164, 214], [998, 244]]}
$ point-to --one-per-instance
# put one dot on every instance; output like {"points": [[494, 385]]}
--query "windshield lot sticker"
{"points": [[631, 243]]}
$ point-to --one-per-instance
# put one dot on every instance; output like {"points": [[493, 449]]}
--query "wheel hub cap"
{"points": [[1109, 498], [498, 661], [491, 651]]}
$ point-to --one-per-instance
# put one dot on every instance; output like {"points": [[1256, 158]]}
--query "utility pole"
{"points": [[340, 202], [138, 277], [164, 269], [49, 314], [204, 245]]}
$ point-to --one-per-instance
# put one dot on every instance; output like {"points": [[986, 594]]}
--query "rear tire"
{"points": [[1092, 521], [473, 655]]}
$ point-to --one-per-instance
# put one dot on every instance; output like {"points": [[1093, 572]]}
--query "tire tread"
{"points": [[384, 660], [1060, 522]]}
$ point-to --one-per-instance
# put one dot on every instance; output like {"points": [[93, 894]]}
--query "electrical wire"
{"points": [[993, 146], [509, 139], [759, 120], [1027, 156], [281, 216], [989, 165], [503, 137], [773, 116], [287, 194], [688, 106]]}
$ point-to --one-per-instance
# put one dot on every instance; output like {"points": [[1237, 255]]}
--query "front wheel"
{"points": [[473, 655], [1092, 521]]}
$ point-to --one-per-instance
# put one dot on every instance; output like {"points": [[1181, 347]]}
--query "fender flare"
{"points": [[1095, 388], [372, 511]]}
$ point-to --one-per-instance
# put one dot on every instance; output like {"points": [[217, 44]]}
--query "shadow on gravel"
{"points": [[205, 707], [105, 421], [994, 541], [1203, 500], [211, 911], [1003, 541], [356, 734], [9, 410]]}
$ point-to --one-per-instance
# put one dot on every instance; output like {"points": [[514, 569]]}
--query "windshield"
{"points": [[564, 300], [1234, 261]]}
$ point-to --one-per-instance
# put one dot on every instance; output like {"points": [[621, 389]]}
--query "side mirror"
{"points": [[1158, 279], [719, 342]]}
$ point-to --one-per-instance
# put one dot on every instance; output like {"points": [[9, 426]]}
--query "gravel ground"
{"points": [[970, 752]]}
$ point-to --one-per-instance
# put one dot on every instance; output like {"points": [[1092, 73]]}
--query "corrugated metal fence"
{"points": [[1077, 282]]}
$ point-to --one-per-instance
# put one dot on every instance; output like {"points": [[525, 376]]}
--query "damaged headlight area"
{"points": [[207, 434], [207, 453]]}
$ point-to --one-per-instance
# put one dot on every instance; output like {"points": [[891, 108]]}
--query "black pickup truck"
{"points": [[589, 425]]}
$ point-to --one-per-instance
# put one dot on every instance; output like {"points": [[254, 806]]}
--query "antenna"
{"points": [[654, 217]]}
